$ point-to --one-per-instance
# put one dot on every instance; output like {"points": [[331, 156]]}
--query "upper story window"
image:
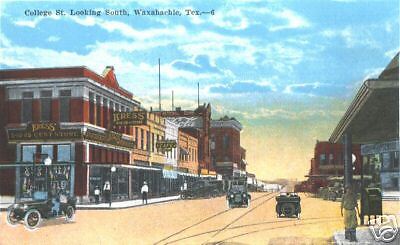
{"points": [[27, 98], [322, 159], [45, 105], [225, 141], [331, 158], [65, 98]]}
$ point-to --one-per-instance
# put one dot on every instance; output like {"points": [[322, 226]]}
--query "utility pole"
{"points": [[172, 99], [159, 85], [198, 94]]}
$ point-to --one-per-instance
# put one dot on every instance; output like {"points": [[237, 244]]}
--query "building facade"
{"points": [[64, 114], [188, 153], [227, 156]]}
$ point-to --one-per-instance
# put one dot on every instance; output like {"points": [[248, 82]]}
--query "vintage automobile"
{"points": [[237, 195], [201, 189], [288, 205], [32, 212]]}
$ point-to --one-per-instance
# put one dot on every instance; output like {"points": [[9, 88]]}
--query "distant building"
{"points": [[227, 156], [188, 153]]}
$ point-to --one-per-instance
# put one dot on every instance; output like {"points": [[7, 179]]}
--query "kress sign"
{"points": [[132, 118], [166, 145]]}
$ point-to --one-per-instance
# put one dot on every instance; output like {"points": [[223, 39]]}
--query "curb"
{"points": [[133, 206]]}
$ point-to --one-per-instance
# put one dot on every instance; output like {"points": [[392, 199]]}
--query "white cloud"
{"points": [[391, 53], [232, 19], [293, 20], [53, 39], [35, 21], [359, 36]]}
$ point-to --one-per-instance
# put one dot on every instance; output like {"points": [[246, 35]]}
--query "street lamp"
{"points": [[113, 169]]}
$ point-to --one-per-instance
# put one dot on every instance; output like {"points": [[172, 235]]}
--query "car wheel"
{"points": [[183, 196], [69, 214], [298, 216], [248, 203], [287, 209], [228, 204], [32, 219], [11, 219]]}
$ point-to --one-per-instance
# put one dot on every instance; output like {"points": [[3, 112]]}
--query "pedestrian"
{"points": [[144, 191], [107, 192], [97, 194], [350, 206]]}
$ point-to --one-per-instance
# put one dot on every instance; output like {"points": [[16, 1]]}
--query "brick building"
{"points": [[67, 114], [227, 156], [328, 162], [188, 153]]}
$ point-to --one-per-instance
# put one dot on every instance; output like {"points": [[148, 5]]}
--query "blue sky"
{"points": [[286, 69]]}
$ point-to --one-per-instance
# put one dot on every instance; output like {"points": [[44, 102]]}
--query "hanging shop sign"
{"points": [[166, 145], [132, 118], [108, 137], [43, 131]]}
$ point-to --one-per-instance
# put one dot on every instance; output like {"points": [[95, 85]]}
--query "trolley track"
{"points": [[329, 219], [204, 220]]}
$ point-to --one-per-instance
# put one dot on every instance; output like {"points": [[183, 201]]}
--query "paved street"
{"points": [[187, 222]]}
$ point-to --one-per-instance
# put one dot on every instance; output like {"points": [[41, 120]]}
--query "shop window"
{"points": [[65, 98], [28, 152], [47, 150], [64, 153], [395, 160], [147, 140], [45, 105], [105, 114], [322, 159], [27, 98], [386, 161]]}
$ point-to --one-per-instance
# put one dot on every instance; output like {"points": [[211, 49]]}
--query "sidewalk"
{"points": [[114, 205], [364, 237], [126, 204]]}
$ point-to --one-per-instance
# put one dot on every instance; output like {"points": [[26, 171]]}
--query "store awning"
{"points": [[373, 115]]}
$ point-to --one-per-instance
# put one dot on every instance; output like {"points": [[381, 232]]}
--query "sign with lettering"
{"points": [[108, 137], [43, 131], [131, 118], [166, 145]]}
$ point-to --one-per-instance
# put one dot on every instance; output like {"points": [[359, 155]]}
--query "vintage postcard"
{"points": [[199, 122]]}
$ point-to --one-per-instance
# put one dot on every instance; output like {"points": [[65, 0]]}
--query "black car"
{"points": [[288, 205], [32, 212], [201, 189], [237, 195]]}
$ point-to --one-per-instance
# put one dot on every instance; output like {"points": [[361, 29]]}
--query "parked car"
{"points": [[288, 205], [237, 195], [201, 189], [34, 211]]}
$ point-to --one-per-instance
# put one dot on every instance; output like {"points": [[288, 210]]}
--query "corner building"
{"points": [[65, 114]]}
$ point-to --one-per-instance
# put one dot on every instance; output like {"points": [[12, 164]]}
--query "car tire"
{"points": [[32, 219], [287, 209], [69, 214], [228, 204], [248, 203], [183, 196], [12, 221]]}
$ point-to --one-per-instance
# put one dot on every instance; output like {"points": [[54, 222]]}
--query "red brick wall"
{"points": [[233, 150], [13, 112]]}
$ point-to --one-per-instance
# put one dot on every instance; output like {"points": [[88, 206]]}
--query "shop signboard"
{"points": [[132, 118], [108, 137], [43, 131], [166, 145]]}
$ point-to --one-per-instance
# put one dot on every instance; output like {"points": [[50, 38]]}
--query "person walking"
{"points": [[349, 204], [144, 191], [97, 194], [107, 192]]}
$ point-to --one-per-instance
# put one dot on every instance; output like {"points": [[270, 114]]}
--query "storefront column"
{"points": [[18, 174], [348, 165], [130, 195]]}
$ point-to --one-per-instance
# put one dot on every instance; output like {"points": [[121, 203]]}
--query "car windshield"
{"points": [[237, 188]]}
